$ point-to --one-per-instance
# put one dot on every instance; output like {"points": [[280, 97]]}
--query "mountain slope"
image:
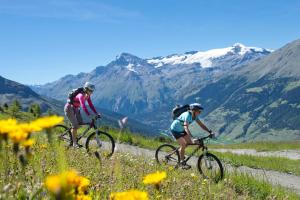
{"points": [[11, 90], [260, 100], [146, 89]]}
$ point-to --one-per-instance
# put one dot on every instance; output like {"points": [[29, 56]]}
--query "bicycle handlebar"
{"points": [[97, 117], [94, 119], [203, 138]]}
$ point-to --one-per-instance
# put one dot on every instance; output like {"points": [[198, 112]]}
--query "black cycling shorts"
{"points": [[178, 135]]}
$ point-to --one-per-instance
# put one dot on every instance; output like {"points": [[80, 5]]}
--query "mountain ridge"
{"points": [[141, 90]]}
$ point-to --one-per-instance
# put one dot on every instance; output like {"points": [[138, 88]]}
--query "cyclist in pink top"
{"points": [[72, 108]]}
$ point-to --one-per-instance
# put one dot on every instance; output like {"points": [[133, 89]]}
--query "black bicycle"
{"points": [[208, 164], [97, 142]]}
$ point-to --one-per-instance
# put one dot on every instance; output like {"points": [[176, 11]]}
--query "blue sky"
{"points": [[43, 40]]}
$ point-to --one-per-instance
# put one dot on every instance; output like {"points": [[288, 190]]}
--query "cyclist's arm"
{"points": [[203, 126], [82, 103], [186, 128], [91, 105]]}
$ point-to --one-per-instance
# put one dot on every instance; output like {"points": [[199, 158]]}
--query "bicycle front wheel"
{"points": [[62, 133], [210, 167], [167, 154], [101, 144]]}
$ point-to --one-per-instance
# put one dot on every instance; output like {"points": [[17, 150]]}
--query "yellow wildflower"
{"points": [[71, 177], [83, 197], [193, 175], [28, 143], [7, 126], [53, 184], [79, 182], [68, 182], [17, 136], [47, 122], [155, 178], [28, 127], [43, 146], [83, 184], [171, 168], [129, 195]]}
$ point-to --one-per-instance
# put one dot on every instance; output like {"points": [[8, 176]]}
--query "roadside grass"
{"points": [[125, 136], [135, 139], [19, 181], [260, 146], [257, 189], [152, 143], [269, 162], [120, 173]]}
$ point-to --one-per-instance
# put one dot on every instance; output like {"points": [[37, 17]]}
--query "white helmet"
{"points": [[196, 106], [89, 86]]}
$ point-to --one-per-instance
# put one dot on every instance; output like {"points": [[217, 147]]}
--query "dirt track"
{"points": [[276, 178], [291, 154]]}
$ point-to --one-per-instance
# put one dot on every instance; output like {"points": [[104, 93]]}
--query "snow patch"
{"points": [[204, 58], [130, 67]]}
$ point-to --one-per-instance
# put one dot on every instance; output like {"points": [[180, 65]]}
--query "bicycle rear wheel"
{"points": [[210, 167], [101, 144], [62, 133], [167, 154]]}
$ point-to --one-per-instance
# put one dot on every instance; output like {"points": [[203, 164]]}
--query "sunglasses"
{"points": [[89, 91]]}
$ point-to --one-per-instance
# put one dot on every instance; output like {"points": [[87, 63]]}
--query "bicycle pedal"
{"points": [[186, 167]]}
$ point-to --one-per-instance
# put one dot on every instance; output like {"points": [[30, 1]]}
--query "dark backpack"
{"points": [[73, 94], [178, 110]]}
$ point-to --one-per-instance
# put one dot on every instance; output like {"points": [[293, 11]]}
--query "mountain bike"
{"points": [[97, 142], [208, 164]]}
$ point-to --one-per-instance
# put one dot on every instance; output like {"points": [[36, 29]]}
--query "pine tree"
{"points": [[35, 110], [5, 106], [15, 108]]}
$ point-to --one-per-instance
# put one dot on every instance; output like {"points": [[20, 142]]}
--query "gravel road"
{"points": [[291, 154], [276, 178]]}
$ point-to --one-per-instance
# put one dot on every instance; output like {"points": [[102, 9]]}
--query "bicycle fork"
{"points": [[98, 141], [206, 160]]}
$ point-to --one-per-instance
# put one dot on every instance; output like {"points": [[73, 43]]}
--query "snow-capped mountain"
{"points": [[131, 63], [207, 58], [216, 59], [145, 89]]}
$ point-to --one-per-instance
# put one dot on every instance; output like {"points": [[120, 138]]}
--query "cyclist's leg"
{"points": [[188, 139], [70, 113], [183, 144], [181, 141], [78, 116], [179, 136]]}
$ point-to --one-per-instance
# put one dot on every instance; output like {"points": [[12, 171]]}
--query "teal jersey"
{"points": [[177, 124]]}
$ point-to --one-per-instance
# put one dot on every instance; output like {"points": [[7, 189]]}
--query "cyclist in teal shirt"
{"points": [[180, 129]]}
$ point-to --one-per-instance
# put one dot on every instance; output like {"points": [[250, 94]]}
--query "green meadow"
{"points": [[123, 172]]}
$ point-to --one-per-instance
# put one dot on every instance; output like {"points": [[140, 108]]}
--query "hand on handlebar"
{"points": [[95, 117], [213, 135], [98, 116]]}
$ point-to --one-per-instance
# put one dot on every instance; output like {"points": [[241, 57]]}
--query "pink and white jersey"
{"points": [[79, 100]]}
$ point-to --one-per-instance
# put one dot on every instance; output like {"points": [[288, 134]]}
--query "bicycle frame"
{"points": [[91, 125], [208, 164], [204, 148]]}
